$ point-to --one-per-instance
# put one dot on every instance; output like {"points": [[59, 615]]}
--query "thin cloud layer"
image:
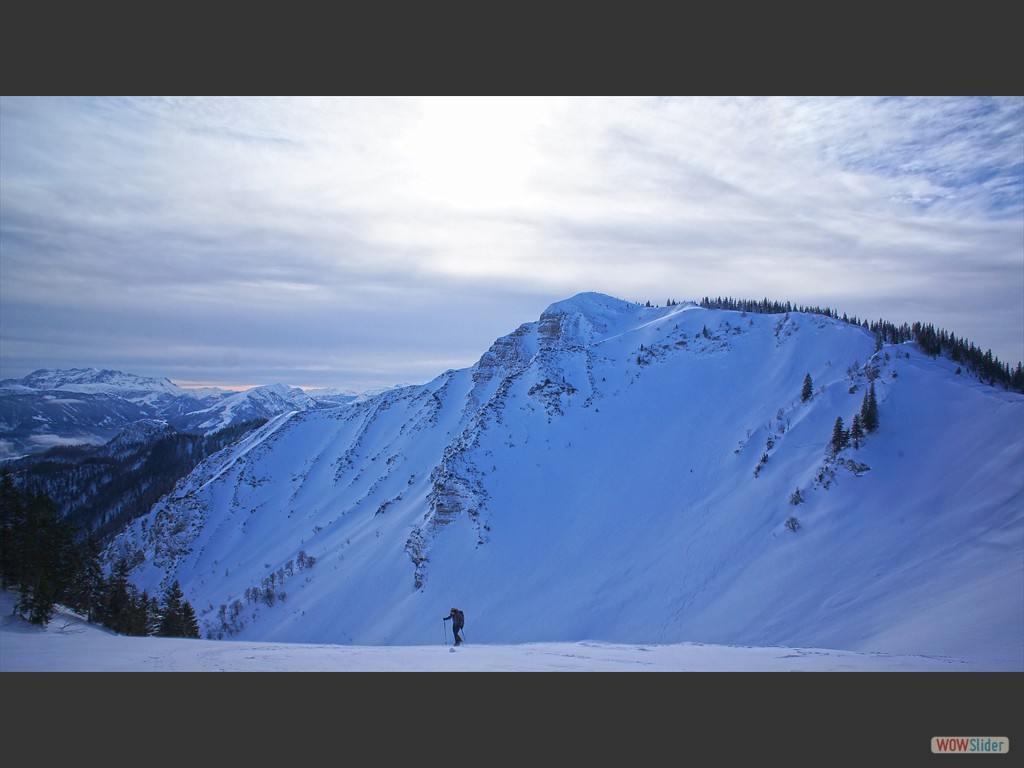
{"points": [[363, 242]]}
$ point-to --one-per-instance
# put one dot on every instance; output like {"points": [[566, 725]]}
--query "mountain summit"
{"points": [[623, 473]]}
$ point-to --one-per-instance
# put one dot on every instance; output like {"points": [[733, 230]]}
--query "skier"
{"points": [[458, 620]]}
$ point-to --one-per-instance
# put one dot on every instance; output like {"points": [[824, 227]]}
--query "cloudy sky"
{"points": [[364, 242]]}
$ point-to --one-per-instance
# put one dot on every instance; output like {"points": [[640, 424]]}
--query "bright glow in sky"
{"points": [[363, 242]]}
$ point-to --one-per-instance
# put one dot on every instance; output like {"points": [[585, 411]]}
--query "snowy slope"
{"points": [[622, 473], [68, 643]]}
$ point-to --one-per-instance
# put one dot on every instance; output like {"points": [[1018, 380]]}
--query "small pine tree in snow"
{"points": [[797, 497], [856, 431], [840, 437], [869, 410], [808, 389], [792, 524]]}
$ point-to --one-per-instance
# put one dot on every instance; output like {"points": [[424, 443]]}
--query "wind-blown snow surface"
{"points": [[623, 474], [70, 644]]}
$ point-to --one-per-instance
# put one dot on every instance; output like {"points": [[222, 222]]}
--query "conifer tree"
{"points": [[11, 516], [152, 616], [869, 410], [840, 437], [856, 431], [37, 551], [178, 618], [85, 595], [808, 389], [120, 602], [189, 624], [170, 613]]}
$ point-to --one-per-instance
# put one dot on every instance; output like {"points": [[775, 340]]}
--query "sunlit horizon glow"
{"points": [[359, 242], [232, 387]]}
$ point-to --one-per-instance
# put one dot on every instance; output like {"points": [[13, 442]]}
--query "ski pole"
{"points": [[445, 631]]}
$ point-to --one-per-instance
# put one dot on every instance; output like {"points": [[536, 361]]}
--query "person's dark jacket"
{"points": [[458, 619]]}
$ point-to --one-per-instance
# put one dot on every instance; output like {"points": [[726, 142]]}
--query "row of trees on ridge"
{"points": [[986, 366]]}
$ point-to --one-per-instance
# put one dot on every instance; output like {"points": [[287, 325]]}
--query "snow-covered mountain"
{"points": [[255, 403], [127, 386], [622, 473], [89, 406]]}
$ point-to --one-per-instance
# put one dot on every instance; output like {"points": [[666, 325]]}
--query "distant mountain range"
{"points": [[623, 473], [106, 445], [90, 406]]}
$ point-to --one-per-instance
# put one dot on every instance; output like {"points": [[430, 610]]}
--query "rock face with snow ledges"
{"points": [[607, 444]]}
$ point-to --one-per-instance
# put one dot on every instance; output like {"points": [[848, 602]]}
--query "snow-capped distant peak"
{"points": [[201, 393], [258, 402], [96, 381]]}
